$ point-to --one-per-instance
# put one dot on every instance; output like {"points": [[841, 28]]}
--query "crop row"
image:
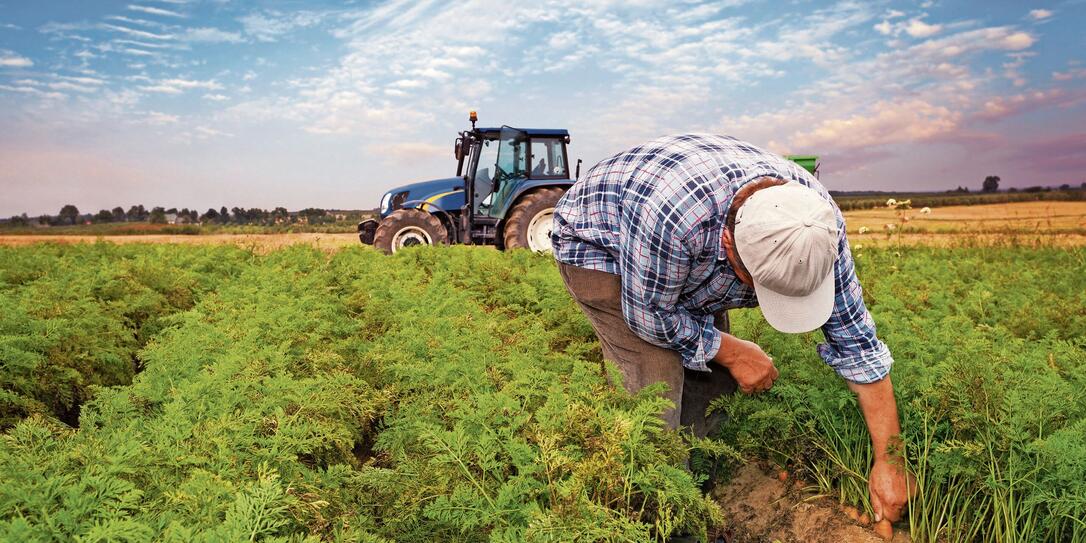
{"points": [[355, 398]]}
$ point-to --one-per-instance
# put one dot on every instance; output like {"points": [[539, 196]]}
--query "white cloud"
{"points": [[271, 25], [1039, 14], [137, 33], [919, 29], [159, 118], [9, 59], [155, 11], [216, 97], [211, 35], [178, 86]]}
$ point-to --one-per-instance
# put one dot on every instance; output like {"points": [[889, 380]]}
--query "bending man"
{"points": [[656, 242]]}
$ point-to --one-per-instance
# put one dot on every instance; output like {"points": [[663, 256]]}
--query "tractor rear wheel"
{"points": [[409, 227], [529, 224]]}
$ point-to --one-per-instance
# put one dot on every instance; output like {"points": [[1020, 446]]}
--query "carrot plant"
{"points": [[990, 373]]}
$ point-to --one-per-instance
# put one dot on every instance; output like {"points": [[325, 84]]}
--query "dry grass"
{"points": [[1017, 224], [1014, 224]]}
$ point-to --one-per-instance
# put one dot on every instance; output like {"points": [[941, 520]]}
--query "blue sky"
{"points": [[201, 103]]}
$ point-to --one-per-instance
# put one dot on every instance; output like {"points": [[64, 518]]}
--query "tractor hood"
{"points": [[415, 193]]}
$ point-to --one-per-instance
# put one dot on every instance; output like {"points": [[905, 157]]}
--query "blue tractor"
{"points": [[507, 183]]}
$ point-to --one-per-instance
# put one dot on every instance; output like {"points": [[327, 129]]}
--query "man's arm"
{"points": [[854, 351], [888, 483]]}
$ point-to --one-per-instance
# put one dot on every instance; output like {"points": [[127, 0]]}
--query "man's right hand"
{"points": [[752, 369]]}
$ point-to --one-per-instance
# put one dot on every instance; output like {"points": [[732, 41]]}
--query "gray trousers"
{"points": [[642, 363]]}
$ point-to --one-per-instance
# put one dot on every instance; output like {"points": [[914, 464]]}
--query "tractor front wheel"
{"points": [[530, 222], [409, 227]]}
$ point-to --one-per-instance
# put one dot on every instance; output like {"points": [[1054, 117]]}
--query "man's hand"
{"points": [[890, 485], [752, 369]]}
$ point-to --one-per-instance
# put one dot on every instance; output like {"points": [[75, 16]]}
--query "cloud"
{"points": [[159, 118], [409, 150], [10, 59], [915, 28], [1070, 74], [178, 86], [1002, 107], [216, 97], [919, 29], [138, 33], [1039, 14], [211, 35], [884, 123], [155, 11], [270, 26]]}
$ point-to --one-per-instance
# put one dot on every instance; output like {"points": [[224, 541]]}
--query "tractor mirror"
{"points": [[458, 149]]}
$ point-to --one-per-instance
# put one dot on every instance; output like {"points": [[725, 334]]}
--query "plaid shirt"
{"points": [[655, 214]]}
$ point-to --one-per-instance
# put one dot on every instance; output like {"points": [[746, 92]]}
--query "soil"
{"points": [[758, 507]]}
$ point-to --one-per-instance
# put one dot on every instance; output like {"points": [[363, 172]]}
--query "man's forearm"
{"points": [[880, 413]]}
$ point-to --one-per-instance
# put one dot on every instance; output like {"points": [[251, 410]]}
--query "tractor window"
{"points": [[512, 154], [484, 171], [548, 158]]}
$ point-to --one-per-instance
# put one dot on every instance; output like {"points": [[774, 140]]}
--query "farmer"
{"points": [[656, 242]]}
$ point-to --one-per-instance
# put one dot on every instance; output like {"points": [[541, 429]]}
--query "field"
{"points": [[1044, 223], [212, 392]]}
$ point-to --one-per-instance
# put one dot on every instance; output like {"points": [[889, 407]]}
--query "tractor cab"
{"points": [[507, 183]]}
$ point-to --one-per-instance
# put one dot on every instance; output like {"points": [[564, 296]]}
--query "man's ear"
{"points": [[729, 242]]}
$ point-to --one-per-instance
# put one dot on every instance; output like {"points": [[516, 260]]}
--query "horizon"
{"points": [[199, 102]]}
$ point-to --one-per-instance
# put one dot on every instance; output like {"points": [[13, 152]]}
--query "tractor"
{"points": [[507, 183]]}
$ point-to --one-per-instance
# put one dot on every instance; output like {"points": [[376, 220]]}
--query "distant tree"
{"points": [[991, 183], [45, 219], [210, 216], [158, 215], [238, 215], [1012, 189], [69, 213], [1065, 186], [20, 220], [118, 214], [102, 216], [224, 215], [961, 189], [1083, 185]]}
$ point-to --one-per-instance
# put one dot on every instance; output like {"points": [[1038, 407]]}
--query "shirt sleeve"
{"points": [[852, 348], [655, 263]]}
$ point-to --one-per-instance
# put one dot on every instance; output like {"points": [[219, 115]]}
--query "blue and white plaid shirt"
{"points": [[655, 214]]}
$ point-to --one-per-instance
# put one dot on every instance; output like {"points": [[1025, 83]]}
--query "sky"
{"points": [[204, 103]]}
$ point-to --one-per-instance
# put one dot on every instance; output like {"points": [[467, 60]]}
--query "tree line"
{"points": [[70, 215]]}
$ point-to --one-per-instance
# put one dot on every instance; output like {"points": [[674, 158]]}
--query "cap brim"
{"points": [[795, 315]]}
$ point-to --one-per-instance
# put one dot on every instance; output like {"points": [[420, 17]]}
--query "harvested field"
{"points": [[1020, 224]]}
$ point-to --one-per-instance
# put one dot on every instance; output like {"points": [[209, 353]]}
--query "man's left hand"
{"points": [[890, 486]]}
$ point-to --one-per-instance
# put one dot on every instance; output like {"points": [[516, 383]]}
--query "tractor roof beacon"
{"points": [[507, 183]]}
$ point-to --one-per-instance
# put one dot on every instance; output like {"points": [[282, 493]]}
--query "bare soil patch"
{"points": [[758, 507]]}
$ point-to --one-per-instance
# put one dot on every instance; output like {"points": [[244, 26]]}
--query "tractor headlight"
{"points": [[386, 202]]}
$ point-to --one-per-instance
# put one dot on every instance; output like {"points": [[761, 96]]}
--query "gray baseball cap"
{"points": [[787, 237]]}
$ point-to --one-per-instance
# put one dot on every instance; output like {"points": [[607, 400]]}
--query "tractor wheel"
{"points": [[529, 224], [408, 227]]}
